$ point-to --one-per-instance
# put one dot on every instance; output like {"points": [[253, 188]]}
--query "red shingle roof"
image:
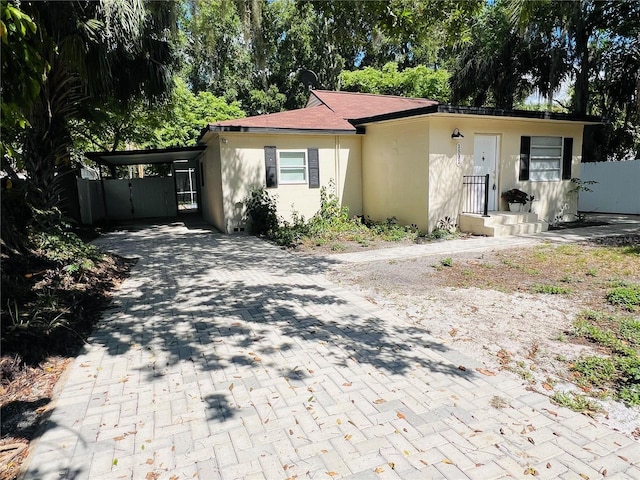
{"points": [[318, 117], [351, 106], [329, 111]]}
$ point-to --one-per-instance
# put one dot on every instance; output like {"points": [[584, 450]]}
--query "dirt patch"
{"points": [[491, 306]]}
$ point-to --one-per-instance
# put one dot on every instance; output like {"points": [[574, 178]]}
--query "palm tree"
{"points": [[96, 50]]}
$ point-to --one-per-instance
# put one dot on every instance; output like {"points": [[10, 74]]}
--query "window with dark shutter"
{"points": [[314, 168], [567, 157], [525, 150], [271, 167]]}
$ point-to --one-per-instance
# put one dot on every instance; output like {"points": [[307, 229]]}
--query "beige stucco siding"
{"points": [[243, 168], [212, 199], [395, 179], [445, 194]]}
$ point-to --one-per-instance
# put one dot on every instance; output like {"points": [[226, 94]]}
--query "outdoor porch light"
{"points": [[456, 134]]}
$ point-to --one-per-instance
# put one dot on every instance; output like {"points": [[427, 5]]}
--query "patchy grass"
{"points": [[576, 402], [625, 296], [616, 370], [551, 289]]}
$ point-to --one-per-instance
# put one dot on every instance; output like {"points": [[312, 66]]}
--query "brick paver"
{"points": [[224, 357]]}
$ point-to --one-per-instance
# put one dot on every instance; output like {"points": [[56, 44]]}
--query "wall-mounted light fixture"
{"points": [[456, 134]]}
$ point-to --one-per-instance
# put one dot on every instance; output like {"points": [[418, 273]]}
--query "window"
{"points": [[292, 166], [545, 159]]}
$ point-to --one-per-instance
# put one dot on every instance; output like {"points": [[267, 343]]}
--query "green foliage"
{"points": [[447, 262], [551, 289], [576, 402], [23, 71], [329, 225], [420, 81], [627, 297], [188, 113], [619, 372], [262, 212]]}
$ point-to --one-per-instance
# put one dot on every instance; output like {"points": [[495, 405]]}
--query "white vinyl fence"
{"points": [[617, 190]]}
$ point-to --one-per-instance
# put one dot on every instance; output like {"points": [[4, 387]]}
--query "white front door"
{"points": [[485, 161]]}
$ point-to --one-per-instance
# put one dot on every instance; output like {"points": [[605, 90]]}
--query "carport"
{"points": [[177, 191]]}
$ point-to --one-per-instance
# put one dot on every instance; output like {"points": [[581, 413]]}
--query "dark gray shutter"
{"points": [[314, 168], [525, 151], [271, 166], [567, 157]]}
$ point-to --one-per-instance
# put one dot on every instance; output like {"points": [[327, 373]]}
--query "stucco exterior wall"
{"points": [[242, 167], [212, 199], [395, 173], [445, 195]]}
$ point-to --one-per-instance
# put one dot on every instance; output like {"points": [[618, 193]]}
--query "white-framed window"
{"points": [[545, 159], [292, 166]]}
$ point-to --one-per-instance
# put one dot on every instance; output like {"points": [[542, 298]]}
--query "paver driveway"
{"points": [[226, 357]]}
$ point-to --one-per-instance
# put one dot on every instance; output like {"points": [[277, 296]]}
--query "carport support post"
{"points": [[104, 195]]}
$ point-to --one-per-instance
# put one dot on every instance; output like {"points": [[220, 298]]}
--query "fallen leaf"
{"points": [[290, 432], [392, 465], [332, 474], [407, 452], [149, 461], [447, 461], [604, 472], [531, 471], [379, 470], [531, 440], [231, 387], [623, 458], [115, 461], [401, 415], [423, 462], [546, 386], [488, 373], [118, 438], [586, 477], [339, 422], [347, 384], [551, 412], [348, 437], [379, 401], [462, 367]]}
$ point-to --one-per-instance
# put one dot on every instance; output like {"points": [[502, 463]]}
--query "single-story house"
{"points": [[414, 159]]}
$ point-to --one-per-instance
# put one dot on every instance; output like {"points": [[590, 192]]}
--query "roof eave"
{"points": [[241, 129], [480, 111]]}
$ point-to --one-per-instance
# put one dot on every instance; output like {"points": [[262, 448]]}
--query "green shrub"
{"points": [[262, 211]]}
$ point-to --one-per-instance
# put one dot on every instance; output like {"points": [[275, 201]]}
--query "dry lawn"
{"points": [[512, 310]]}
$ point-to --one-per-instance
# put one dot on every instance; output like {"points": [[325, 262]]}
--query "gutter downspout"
{"points": [[337, 167]]}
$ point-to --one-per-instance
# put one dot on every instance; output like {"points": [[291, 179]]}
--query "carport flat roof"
{"points": [[145, 157]]}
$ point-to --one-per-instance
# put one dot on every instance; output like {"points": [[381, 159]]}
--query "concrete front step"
{"points": [[500, 224]]}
